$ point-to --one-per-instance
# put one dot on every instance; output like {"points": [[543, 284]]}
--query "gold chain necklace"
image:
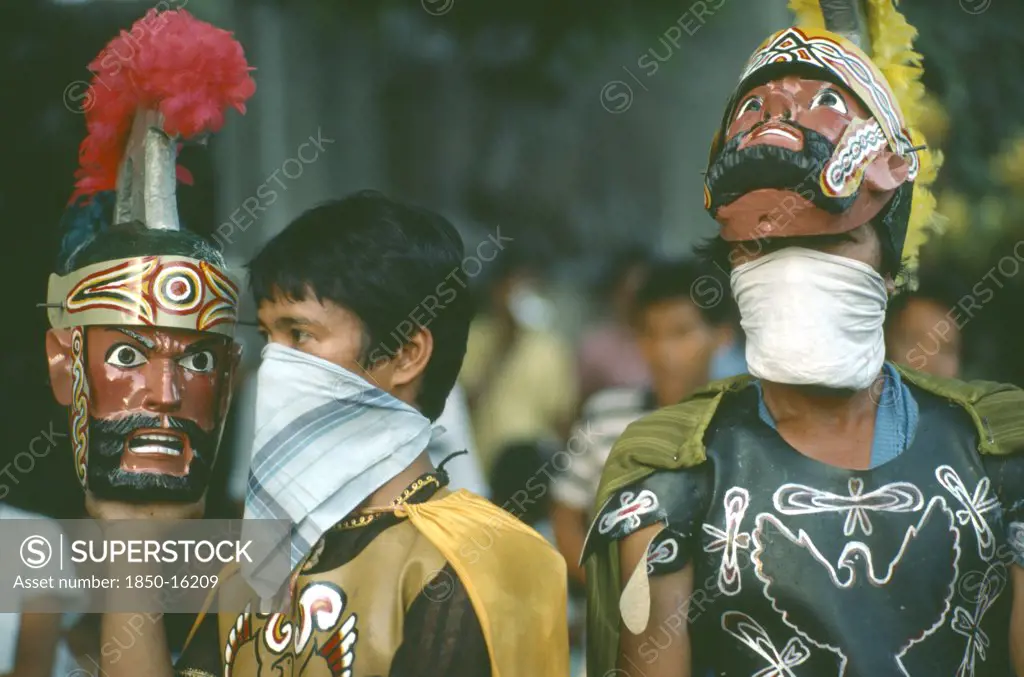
{"points": [[370, 515]]}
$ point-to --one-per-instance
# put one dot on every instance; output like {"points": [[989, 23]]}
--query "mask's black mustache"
{"points": [[128, 424], [106, 446], [817, 150], [736, 172]]}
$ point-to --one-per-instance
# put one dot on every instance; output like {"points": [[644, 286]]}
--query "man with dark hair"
{"points": [[831, 513], [679, 329], [924, 327], [386, 268], [366, 312], [682, 319]]}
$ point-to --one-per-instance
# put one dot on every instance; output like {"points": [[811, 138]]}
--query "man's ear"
{"points": [[412, 359], [58, 355]]}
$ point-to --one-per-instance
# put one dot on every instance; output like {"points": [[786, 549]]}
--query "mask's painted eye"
{"points": [[202, 362], [125, 356], [751, 105], [831, 98]]}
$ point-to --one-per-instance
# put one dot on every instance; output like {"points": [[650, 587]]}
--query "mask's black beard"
{"points": [[108, 481], [735, 173]]}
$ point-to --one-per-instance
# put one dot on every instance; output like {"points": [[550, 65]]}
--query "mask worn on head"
{"points": [[814, 141], [812, 318], [325, 440]]}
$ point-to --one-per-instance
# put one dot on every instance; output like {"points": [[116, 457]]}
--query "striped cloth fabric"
{"points": [[604, 418], [326, 439]]}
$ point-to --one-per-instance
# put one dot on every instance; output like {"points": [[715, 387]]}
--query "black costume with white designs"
{"points": [[808, 569]]}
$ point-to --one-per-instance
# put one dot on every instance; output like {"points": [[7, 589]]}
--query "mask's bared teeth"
{"points": [[155, 449]]}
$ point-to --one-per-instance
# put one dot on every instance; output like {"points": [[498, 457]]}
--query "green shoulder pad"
{"points": [[997, 409], [668, 439]]}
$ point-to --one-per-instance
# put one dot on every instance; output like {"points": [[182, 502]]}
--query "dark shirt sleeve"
{"points": [[1007, 476], [679, 499], [202, 656], [442, 636]]}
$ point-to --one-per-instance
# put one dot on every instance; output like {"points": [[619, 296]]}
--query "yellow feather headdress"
{"points": [[891, 47]]}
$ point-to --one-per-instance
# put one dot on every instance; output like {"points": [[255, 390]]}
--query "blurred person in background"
{"points": [[679, 331], [608, 353], [682, 321], [730, 360], [519, 374], [924, 327], [520, 482]]}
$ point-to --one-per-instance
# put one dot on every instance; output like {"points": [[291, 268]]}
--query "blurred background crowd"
{"points": [[566, 143]]}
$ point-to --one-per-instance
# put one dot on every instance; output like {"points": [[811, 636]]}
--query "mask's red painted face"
{"points": [[157, 400], [767, 112], [802, 157], [163, 374], [812, 143]]}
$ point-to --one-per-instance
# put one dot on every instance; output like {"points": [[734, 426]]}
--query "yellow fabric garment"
{"points": [[515, 579]]}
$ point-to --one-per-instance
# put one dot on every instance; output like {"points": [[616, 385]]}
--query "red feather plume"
{"points": [[187, 69]]}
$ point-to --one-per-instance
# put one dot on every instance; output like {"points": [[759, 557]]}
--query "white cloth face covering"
{"points": [[812, 318]]}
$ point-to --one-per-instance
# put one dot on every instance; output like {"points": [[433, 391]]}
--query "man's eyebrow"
{"points": [[287, 321], [150, 344]]}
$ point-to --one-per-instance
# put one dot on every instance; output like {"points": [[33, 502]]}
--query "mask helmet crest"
{"points": [[125, 261]]}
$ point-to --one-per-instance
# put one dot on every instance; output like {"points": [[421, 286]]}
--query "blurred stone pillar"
{"points": [[259, 145], [248, 150]]}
